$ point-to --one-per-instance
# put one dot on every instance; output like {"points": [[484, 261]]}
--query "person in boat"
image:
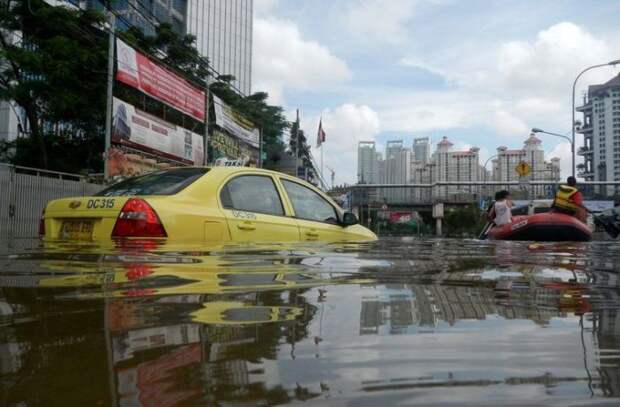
{"points": [[569, 200], [501, 212]]}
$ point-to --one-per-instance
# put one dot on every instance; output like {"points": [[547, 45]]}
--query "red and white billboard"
{"points": [[401, 217], [140, 72]]}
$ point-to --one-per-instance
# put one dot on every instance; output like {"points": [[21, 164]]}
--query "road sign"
{"points": [[523, 169], [384, 207]]}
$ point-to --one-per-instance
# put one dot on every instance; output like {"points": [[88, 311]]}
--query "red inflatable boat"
{"points": [[543, 227]]}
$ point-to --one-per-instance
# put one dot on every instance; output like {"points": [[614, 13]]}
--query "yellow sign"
{"points": [[523, 169]]}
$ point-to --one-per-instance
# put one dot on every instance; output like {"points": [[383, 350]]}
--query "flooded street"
{"points": [[395, 322]]}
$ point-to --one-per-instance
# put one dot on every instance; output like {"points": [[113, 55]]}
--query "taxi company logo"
{"points": [[75, 204]]}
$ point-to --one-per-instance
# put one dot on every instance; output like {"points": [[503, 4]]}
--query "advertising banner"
{"points": [[401, 217], [229, 147], [124, 164], [233, 122], [144, 132], [138, 71]]}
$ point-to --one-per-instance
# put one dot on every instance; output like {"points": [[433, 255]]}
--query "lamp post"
{"points": [[571, 141], [612, 63], [485, 167]]}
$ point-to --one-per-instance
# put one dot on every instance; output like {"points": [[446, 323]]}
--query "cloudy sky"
{"points": [[481, 72]]}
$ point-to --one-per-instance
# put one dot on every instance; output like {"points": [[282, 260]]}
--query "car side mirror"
{"points": [[349, 219]]}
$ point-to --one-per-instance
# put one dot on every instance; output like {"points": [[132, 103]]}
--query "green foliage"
{"points": [[55, 72], [467, 220], [302, 148], [58, 76], [74, 155]]}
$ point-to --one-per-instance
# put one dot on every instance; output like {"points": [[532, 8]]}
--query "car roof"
{"points": [[224, 171]]}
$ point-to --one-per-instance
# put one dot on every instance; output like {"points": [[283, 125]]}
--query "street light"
{"points": [[572, 126], [571, 141], [486, 178]]}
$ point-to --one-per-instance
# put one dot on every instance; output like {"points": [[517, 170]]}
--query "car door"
{"points": [[316, 216], [254, 210]]}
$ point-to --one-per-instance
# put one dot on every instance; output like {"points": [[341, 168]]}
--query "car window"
{"points": [[168, 182], [308, 204], [252, 193]]}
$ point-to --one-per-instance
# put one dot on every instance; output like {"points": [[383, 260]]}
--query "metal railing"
{"points": [[469, 192], [25, 191]]}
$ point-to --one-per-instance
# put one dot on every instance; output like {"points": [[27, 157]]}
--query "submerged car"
{"points": [[204, 204]]}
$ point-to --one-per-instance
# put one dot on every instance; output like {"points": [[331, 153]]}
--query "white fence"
{"points": [[24, 193]]}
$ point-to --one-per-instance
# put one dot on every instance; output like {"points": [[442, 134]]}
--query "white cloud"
{"points": [[262, 7], [548, 65], [509, 86], [380, 20], [505, 123], [284, 60], [345, 126]]}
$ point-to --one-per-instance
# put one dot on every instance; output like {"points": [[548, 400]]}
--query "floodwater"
{"points": [[397, 322]]}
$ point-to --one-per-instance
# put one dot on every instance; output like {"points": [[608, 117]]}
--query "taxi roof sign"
{"points": [[523, 169]]}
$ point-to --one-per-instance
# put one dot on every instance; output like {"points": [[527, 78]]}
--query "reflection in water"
{"points": [[394, 322]]}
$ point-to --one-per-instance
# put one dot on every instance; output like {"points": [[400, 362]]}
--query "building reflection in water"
{"points": [[169, 343]]}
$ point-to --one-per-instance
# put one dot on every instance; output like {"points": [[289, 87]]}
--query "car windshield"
{"points": [[168, 182]]}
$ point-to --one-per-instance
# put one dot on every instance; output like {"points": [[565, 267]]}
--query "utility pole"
{"points": [[205, 139], [333, 175], [297, 146], [108, 113], [260, 147]]}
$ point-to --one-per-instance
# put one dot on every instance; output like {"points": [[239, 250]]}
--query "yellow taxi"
{"points": [[204, 204]]}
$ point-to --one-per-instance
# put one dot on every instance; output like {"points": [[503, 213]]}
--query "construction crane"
{"points": [[333, 174]]}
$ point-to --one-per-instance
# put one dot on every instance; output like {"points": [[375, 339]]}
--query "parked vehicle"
{"points": [[202, 204]]}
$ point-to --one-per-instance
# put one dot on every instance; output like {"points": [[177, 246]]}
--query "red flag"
{"points": [[320, 136]]}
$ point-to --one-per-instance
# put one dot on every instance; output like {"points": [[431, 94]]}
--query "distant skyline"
{"points": [[480, 72]]}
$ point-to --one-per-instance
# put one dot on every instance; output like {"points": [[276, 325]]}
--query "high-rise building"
{"points": [[146, 15], [601, 134], [455, 166], [504, 166], [223, 30], [397, 170], [422, 149], [367, 160]]}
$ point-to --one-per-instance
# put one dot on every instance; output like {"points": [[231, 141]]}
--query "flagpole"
{"points": [[322, 176], [297, 147]]}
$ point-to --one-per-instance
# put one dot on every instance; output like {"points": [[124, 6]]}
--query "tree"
{"points": [[55, 71], [300, 149], [57, 74]]}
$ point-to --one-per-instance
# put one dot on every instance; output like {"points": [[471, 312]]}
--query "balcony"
{"points": [[586, 128], [584, 108], [582, 171]]}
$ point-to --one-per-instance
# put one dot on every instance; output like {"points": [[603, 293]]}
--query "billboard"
{"points": [[403, 217], [233, 122], [138, 71], [144, 132], [227, 146]]}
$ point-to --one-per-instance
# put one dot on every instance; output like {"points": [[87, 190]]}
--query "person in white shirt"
{"points": [[501, 212]]}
